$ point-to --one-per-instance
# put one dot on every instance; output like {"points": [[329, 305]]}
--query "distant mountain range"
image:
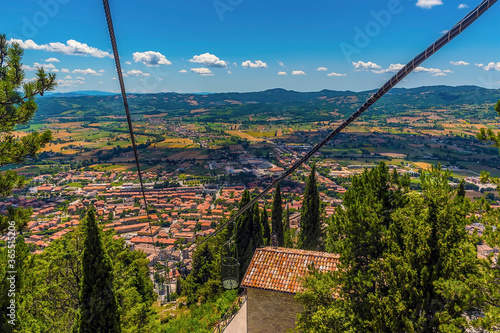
{"points": [[281, 103], [80, 93]]}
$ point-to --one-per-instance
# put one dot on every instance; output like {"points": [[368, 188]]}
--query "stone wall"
{"points": [[269, 311]]}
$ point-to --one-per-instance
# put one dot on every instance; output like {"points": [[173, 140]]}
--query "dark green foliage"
{"points": [[277, 217], [13, 259], [17, 107], [265, 227], [200, 317], [204, 280], [461, 189], [51, 282], [248, 234], [407, 263], [287, 231], [310, 225], [98, 311], [243, 234], [256, 228]]}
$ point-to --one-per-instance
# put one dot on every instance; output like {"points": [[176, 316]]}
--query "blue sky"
{"points": [[252, 45]]}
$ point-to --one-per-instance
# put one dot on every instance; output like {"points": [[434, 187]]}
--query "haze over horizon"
{"points": [[242, 46]]}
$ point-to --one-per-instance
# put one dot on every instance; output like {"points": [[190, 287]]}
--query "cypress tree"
{"points": [[243, 236], [310, 228], [256, 228], [98, 310], [286, 229], [461, 189], [277, 216], [265, 227]]}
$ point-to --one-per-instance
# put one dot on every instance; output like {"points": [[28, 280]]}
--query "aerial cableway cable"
{"points": [[398, 77], [127, 111]]}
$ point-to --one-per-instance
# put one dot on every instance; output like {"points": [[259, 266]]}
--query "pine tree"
{"points": [[17, 107], [265, 227], [277, 217], [310, 225], [98, 310], [406, 261]]}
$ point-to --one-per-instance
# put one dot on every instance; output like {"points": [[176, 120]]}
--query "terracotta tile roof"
{"points": [[282, 269]]}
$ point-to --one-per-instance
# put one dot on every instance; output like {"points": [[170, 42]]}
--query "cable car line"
{"points": [[395, 79], [456, 30], [111, 31]]}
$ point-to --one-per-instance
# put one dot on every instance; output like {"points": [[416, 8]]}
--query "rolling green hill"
{"points": [[469, 102]]}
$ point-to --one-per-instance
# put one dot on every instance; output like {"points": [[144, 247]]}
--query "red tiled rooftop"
{"points": [[282, 269]]}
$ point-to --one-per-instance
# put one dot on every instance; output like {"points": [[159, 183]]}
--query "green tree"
{"points": [[407, 263], [204, 280], [14, 258], [461, 189], [287, 231], [265, 226], [487, 134], [17, 107], [277, 216], [257, 237], [98, 310], [243, 234], [310, 225]]}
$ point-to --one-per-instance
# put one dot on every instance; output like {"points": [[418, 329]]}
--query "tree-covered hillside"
{"points": [[325, 105]]}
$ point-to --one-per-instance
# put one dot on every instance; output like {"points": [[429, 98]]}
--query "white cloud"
{"points": [[48, 66], [370, 66], [281, 64], [490, 67], [68, 77], [136, 72], [427, 4], [321, 69], [37, 65], [298, 73], [202, 70], [462, 6], [183, 71], [100, 82], [281, 73], [365, 66], [459, 63], [335, 74], [229, 72], [51, 60], [72, 47], [391, 69], [65, 70], [151, 58], [256, 64], [433, 71], [69, 83], [80, 78], [209, 60], [86, 71], [128, 62]]}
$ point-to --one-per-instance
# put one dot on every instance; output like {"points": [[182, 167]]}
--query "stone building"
{"points": [[272, 279]]}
